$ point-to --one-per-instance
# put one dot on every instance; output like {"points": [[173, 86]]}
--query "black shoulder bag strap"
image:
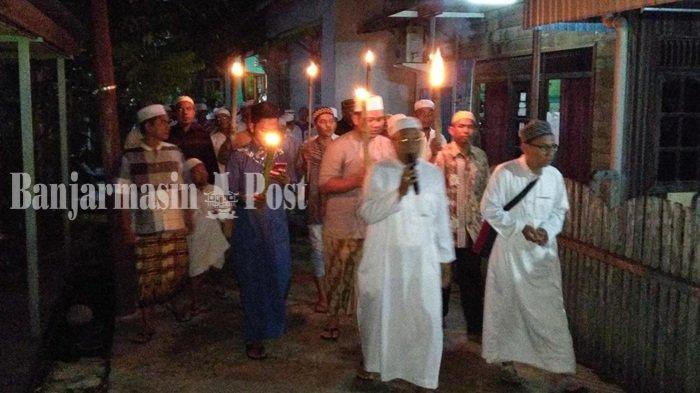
{"points": [[520, 196]]}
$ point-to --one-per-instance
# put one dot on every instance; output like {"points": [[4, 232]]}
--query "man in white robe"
{"points": [[399, 281], [524, 317]]}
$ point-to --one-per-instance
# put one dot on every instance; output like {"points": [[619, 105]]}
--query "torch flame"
{"points": [[237, 69], [272, 139], [437, 69], [369, 57], [312, 70], [361, 94]]}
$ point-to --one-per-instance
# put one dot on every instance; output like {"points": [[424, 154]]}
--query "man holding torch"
{"points": [[342, 173], [263, 259]]}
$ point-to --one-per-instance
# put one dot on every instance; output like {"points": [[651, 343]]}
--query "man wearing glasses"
{"points": [[524, 317]]}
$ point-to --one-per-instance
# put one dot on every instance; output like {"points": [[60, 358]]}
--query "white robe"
{"points": [[399, 298], [524, 317], [206, 244]]}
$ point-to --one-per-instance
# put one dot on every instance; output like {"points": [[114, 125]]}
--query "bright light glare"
{"points": [[237, 69], [437, 69], [312, 70], [369, 57], [272, 139]]}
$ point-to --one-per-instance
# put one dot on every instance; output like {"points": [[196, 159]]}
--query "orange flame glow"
{"points": [[437, 69]]}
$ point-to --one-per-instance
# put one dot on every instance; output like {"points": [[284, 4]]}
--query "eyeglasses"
{"points": [[406, 140], [545, 148]]}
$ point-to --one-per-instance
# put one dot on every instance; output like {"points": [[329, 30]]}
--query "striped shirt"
{"points": [[144, 165]]}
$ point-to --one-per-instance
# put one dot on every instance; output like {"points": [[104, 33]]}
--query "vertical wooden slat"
{"points": [[692, 379], [672, 350], [651, 328], [639, 228], [666, 238], [628, 212], [660, 345], [695, 258], [689, 241], [651, 219]]}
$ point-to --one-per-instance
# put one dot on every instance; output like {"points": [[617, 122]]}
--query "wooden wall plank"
{"points": [[676, 254]]}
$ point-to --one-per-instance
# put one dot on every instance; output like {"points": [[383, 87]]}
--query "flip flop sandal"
{"points": [[330, 334]]}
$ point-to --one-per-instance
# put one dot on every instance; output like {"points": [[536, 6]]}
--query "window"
{"points": [[678, 159]]}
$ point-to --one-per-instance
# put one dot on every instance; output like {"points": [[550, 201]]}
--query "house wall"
{"points": [[500, 35], [341, 50]]}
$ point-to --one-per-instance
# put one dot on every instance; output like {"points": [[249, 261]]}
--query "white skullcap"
{"points": [[335, 112], [183, 98], [201, 107], [150, 112], [210, 116], [374, 103], [407, 122], [391, 123], [222, 111], [287, 117], [463, 115], [191, 163], [420, 104]]}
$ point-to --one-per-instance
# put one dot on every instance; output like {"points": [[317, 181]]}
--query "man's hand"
{"points": [[530, 234], [542, 237], [408, 177], [435, 145], [359, 179], [280, 176], [259, 200]]}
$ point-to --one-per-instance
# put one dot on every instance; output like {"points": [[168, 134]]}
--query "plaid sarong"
{"points": [[342, 256], [161, 266]]}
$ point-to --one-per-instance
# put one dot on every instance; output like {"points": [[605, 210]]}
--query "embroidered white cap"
{"points": [[420, 104], [374, 103], [391, 123], [149, 112]]}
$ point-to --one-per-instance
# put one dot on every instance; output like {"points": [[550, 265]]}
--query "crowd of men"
{"points": [[393, 213]]}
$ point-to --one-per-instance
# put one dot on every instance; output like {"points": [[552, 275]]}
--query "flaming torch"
{"points": [[362, 95], [437, 79], [312, 73], [369, 60], [272, 140], [237, 72]]}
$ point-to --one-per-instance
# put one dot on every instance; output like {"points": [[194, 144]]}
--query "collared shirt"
{"points": [[315, 201], [144, 165], [465, 178], [344, 157]]}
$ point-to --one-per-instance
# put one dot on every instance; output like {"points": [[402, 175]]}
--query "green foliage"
{"points": [[151, 74]]}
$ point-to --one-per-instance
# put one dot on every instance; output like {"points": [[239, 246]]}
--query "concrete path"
{"points": [[206, 354]]}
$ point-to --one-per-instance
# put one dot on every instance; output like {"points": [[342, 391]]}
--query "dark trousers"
{"points": [[466, 272]]}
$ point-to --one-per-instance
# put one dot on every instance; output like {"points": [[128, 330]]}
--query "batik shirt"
{"points": [[465, 179]]}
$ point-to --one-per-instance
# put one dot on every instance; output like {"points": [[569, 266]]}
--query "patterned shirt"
{"points": [[465, 179], [144, 165], [315, 201]]}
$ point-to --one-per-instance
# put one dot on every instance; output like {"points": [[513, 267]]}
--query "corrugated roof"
{"points": [[542, 12]]}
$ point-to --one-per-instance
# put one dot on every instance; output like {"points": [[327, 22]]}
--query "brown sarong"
{"points": [[342, 256], [161, 266]]}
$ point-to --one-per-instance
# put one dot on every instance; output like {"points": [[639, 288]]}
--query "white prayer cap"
{"points": [[287, 117], [335, 112], [191, 163], [222, 111], [201, 106], [407, 122], [420, 104], [391, 123], [150, 112], [183, 98], [167, 108], [374, 103], [463, 115]]}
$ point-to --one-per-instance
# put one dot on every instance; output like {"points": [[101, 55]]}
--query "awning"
{"points": [[542, 12]]}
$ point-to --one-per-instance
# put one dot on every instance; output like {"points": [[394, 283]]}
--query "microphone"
{"points": [[412, 162]]}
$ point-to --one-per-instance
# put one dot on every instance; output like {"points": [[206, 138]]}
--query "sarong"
{"points": [[161, 266], [342, 256]]}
